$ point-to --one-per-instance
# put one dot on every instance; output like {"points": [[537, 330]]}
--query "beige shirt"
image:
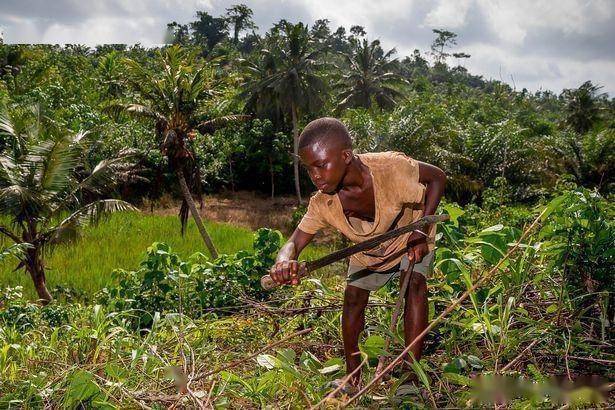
{"points": [[399, 200]]}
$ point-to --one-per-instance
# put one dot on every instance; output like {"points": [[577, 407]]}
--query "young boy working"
{"points": [[363, 196]]}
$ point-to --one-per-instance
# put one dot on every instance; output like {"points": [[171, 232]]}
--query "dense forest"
{"points": [[90, 131], [426, 105]]}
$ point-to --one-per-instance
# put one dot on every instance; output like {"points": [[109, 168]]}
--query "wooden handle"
{"points": [[268, 283]]}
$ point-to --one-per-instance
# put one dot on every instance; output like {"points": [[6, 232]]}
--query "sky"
{"points": [[536, 44]]}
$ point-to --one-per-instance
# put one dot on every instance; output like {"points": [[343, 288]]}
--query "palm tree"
{"points": [[42, 178], [371, 76], [582, 106], [291, 79], [172, 99], [261, 101]]}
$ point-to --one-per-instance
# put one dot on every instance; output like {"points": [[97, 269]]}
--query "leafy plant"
{"points": [[42, 178], [165, 283]]}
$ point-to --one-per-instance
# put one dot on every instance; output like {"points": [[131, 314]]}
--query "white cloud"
{"points": [[512, 20], [448, 13], [145, 30], [356, 12], [534, 72], [539, 42]]}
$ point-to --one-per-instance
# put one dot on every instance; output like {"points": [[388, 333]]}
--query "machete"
{"points": [[268, 283]]}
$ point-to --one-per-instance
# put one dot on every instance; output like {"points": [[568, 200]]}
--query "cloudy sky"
{"points": [[540, 44]]}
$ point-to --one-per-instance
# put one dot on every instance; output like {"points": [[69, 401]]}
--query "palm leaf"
{"points": [[59, 161], [16, 250], [210, 126], [104, 173], [92, 213], [138, 111]]}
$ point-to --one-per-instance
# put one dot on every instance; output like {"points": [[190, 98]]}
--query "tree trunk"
{"points": [[293, 108], [230, 169], [35, 268], [195, 214], [271, 174]]}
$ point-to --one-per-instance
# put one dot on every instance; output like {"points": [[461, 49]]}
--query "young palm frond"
{"points": [[90, 214], [41, 184]]}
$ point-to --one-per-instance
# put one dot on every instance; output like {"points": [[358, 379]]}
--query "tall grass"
{"points": [[120, 242]]}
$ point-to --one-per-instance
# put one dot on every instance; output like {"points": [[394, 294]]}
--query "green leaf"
{"points": [[330, 369], [267, 361], [82, 388], [286, 355], [475, 362], [552, 308], [374, 346], [494, 228], [454, 211], [458, 379]]}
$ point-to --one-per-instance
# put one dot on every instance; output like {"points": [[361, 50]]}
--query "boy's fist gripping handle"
{"points": [[268, 283]]}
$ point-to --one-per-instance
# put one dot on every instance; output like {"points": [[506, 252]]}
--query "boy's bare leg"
{"points": [[353, 322], [415, 313]]}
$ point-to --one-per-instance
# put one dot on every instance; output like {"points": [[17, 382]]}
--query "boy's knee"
{"points": [[418, 283], [355, 298]]}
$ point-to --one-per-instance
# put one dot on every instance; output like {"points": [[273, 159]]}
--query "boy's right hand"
{"points": [[287, 272]]}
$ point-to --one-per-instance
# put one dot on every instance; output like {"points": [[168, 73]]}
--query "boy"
{"points": [[363, 196]]}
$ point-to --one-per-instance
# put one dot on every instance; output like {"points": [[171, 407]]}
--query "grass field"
{"points": [[120, 242]]}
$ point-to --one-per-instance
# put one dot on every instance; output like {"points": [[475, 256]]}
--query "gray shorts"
{"points": [[363, 278]]}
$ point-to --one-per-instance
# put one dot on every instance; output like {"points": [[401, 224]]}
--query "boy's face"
{"points": [[326, 165]]}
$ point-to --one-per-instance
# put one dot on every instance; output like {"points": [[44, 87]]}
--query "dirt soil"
{"points": [[243, 208]]}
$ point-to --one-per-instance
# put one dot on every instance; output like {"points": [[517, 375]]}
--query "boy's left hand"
{"points": [[418, 252], [417, 247]]}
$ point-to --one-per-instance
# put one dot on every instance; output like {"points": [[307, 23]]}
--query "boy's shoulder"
{"points": [[384, 158], [389, 162]]}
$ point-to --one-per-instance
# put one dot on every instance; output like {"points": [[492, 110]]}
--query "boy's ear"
{"points": [[347, 155]]}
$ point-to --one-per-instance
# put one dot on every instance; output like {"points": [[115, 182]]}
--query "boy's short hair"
{"points": [[328, 130]]}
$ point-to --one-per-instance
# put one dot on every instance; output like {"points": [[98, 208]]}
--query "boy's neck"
{"points": [[357, 174]]}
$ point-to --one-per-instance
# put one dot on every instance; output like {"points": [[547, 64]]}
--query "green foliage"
{"points": [[282, 372], [581, 246], [167, 284], [503, 150], [372, 78], [297, 215], [497, 195], [20, 314], [98, 358], [43, 177]]}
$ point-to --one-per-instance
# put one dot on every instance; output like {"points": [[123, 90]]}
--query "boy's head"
{"points": [[325, 149]]}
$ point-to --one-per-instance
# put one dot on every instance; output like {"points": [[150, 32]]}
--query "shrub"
{"points": [[164, 281]]}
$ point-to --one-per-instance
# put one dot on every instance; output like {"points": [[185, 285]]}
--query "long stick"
{"points": [[402, 293], [448, 310]]}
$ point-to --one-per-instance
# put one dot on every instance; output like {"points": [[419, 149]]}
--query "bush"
{"points": [[164, 281], [17, 312], [580, 243]]}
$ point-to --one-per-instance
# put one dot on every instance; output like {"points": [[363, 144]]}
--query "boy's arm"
{"points": [[434, 180], [286, 268]]}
